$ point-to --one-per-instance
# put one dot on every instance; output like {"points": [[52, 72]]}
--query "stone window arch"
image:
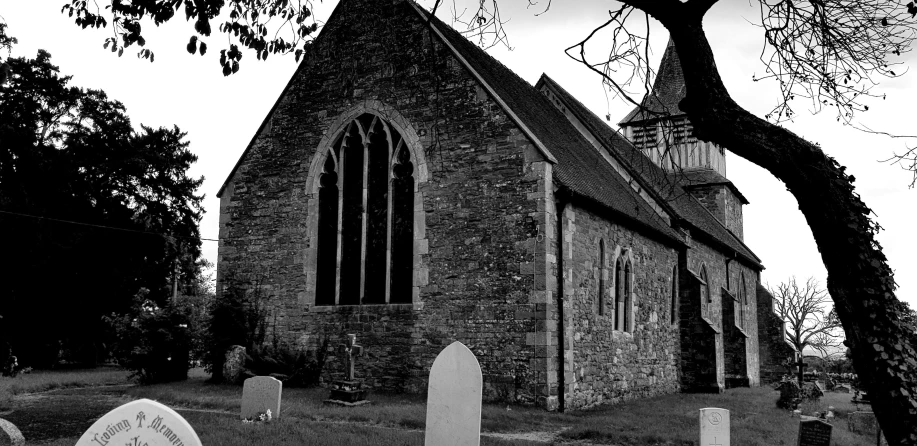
{"points": [[366, 233], [704, 291], [624, 291]]}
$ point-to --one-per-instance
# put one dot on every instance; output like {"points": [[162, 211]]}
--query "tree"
{"points": [[807, 322], [93, 210], [829, 51]]}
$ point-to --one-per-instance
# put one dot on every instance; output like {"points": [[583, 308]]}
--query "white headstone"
{"points": [[11, 433], [140, 423], [714, 427], [260, 394], [454, 399]]}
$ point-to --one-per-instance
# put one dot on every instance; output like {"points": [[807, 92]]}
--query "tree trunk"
{"points": [[859, 279]]}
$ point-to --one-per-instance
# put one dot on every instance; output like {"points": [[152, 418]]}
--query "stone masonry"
{"points": [[486, 253]]}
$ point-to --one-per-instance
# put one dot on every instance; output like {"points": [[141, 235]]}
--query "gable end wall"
{"points": [[481, 275]]}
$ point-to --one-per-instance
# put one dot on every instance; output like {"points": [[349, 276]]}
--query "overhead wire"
{"points": [[39, 217]]}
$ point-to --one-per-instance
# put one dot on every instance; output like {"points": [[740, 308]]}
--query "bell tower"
{"points": [[662, 131]]}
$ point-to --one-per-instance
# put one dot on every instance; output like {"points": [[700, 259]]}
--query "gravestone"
{"points": [[348, 391], [140, 423], [862, 422], [714, 427], [454, 399], [865, 423], [10, 434], [814, 433], [260, 394]]}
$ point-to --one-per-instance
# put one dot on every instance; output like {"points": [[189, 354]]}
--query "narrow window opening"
{"points": [[619, 295], [601, 272], [704, 291], [673, 313], [402, 228], [628, 304], [326, 272], [352, 217]]}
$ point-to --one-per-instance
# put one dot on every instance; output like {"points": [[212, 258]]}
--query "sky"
{"points": [[221, 114]]}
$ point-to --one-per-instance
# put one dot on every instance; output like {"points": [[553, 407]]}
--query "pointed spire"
{"points": [[668, 88]]}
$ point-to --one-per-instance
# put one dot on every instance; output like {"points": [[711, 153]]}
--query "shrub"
{"points": [[154, 342], [303, 368], [237, 317]]}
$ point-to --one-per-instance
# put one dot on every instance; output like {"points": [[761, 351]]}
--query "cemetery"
{"points": [[113, 411]]}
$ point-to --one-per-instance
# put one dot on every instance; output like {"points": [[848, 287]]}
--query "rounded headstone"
{"points": [[454, 399], [11, 434], [234, 365], [138, 423]]}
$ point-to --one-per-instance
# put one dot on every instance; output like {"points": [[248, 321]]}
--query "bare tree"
{"points": [[828, 51], [809, 323]]}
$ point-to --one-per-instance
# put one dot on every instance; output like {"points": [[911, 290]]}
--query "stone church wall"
{"points": [[775, 351], [607, 365], [483, 206], [708, 334], [723, 204]]}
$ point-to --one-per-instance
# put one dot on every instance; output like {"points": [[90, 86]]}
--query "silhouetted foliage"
{"points": [[92, 211], [245, 22]]}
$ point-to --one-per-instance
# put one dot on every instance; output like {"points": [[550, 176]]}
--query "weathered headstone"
{"points": [[862, 422], [865, 423], [234, 364], [454, 399], [714, 427], [260, 394], [814, 433], [140, 423], [10, 434]]}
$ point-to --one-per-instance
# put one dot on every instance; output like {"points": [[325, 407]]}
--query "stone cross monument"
{"points": [[351, 349], [348, 391]]}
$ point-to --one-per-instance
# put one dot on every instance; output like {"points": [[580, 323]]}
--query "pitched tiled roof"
{"points": [[653, 177], [704, 177], [579, 167], [668, 90]]}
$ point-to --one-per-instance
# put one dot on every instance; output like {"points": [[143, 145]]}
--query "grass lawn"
{"points": [[399, 419]]}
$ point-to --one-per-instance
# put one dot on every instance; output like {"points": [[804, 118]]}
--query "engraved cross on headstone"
{"points": [[351, 349]]}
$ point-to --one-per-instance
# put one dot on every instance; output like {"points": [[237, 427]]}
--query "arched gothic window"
{"points": [[673, 313], [623, 295], [704, 291], [601, 278], [366, 217]]}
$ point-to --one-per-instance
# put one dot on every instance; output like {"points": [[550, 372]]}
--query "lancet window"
{"points": [[601, 278], [366, 217], [704, 291], [623, 295]]}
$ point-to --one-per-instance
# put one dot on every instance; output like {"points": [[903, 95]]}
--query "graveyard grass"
{"points": [[213, 410]]}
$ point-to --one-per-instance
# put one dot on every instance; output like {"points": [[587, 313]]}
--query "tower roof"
{"points": [[668, 90]]}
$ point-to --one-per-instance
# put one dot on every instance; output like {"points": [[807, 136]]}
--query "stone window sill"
{"points": [[371, 308]]}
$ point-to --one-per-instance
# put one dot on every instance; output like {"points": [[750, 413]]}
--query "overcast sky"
{"points": [[221, 114]]}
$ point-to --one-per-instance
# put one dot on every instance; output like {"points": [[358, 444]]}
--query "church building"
{"points": [[410, 189]]}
